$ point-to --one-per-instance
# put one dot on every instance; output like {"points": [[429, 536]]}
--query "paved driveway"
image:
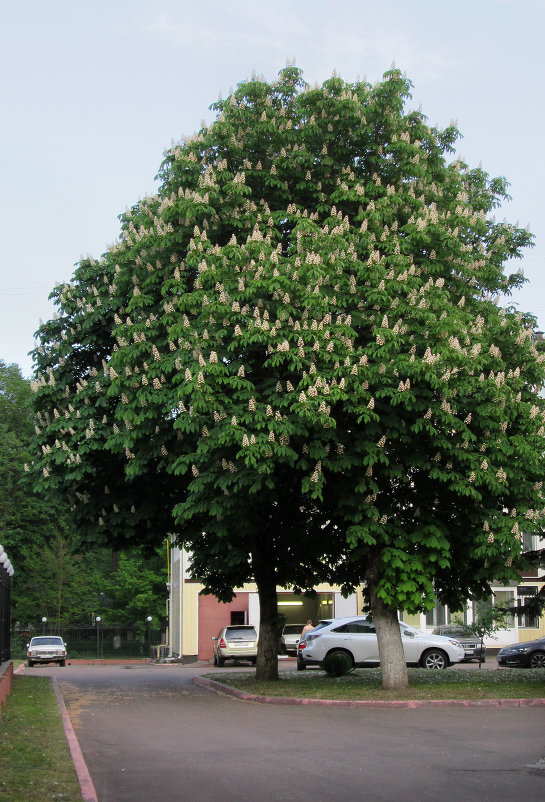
{"points": [[148, 733]]}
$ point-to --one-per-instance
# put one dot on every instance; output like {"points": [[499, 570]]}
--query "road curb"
{"points": [[87, 788], [406, 704]]}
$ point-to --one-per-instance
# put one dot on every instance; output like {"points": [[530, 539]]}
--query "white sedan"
{"points": [[46, 649], [356, 637]]}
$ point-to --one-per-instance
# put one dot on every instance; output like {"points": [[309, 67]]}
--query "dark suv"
{"points": [[471, 643]]}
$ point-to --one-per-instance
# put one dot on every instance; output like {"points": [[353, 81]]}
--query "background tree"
{"points": [[56, 576], [304, 360], [59, 583], [29, 521], [135, 590], [490, 618]]}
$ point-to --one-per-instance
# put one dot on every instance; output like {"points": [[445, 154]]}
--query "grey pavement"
{"points": [[147, 732]]}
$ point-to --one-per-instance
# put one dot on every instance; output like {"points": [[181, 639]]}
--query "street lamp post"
{"points": [[149, 619], [44, 620], [98, 620]]}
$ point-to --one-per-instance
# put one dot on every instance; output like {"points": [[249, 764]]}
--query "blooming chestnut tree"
{"points": [[296, 359]]}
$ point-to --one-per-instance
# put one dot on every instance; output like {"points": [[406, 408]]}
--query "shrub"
{"points": [[337, 664]]}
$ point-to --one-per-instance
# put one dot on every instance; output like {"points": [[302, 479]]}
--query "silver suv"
{"points": [[46, 649], [235, 642], [473, 648]]}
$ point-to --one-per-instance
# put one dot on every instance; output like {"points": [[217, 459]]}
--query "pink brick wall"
{"points": [[5, 682]]}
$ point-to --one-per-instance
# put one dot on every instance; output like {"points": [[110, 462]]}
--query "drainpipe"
{"points": [[180, 601], [167, 604]]}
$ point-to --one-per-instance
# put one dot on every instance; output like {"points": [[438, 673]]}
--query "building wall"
{"points": [[213, 615]]}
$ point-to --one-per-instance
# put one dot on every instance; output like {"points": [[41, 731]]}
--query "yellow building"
{"points": [[194, 618]]}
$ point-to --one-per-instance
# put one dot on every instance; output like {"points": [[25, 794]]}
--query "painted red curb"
{"points": [[115, 661], [404, 704], [88, 792]]}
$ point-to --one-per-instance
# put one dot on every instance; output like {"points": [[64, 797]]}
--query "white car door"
{"points": [[410, 643], [359, 638]]}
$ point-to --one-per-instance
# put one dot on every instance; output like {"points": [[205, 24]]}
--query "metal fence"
{"points": [[5, 584], [93, 642]]}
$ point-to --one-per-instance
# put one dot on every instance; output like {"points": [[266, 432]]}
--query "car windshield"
{"points": [[293, 629], [451, 631], [46, 641], [324, 623], [241, 633]]}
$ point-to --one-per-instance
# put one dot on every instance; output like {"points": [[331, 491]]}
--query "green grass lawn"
{"points": [[366, 684], [35, 761]]}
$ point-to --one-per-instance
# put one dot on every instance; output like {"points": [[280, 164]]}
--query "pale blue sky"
{"points": [[91, 94]]}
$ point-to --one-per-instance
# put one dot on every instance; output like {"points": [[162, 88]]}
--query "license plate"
{"points": [[241, 645], [469, 651]]}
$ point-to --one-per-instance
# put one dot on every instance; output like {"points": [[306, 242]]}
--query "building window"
{"points": [[238, 617], [438, 616], [506, 598], [529, 542], [526, 619]]}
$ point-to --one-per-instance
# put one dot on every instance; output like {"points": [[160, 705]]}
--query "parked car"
{"points": [[356, 637], [235, 642], [46, 649], [529, 654], [290, 638], [471, 643]]}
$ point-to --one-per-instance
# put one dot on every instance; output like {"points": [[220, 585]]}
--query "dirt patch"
{"points": [[80, 700]]}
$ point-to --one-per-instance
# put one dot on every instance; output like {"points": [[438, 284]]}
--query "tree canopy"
{"points": [[296, 357]]}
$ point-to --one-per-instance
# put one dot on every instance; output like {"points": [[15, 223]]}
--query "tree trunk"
{"points": [[390, 646], [269, 623]]}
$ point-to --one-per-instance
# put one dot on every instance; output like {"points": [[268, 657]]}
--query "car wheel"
{"points": [[301, 665], [221, 662], [62, 663], [253, 661], [30, 663], [434, 658], [215, 660], [537, 660], [343, 652]]}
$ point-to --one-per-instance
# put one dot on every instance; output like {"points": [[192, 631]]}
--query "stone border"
{"points": [[88, 793], [6, 674], [407, 704]]}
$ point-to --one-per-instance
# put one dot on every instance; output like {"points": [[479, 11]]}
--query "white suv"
{"points": [[356, 637]]}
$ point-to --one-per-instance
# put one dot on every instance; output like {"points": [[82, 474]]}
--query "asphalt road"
{"points": [[148, 733]]}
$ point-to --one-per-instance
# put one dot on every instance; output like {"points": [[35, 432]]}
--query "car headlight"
{"points": [[456, 643]]}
